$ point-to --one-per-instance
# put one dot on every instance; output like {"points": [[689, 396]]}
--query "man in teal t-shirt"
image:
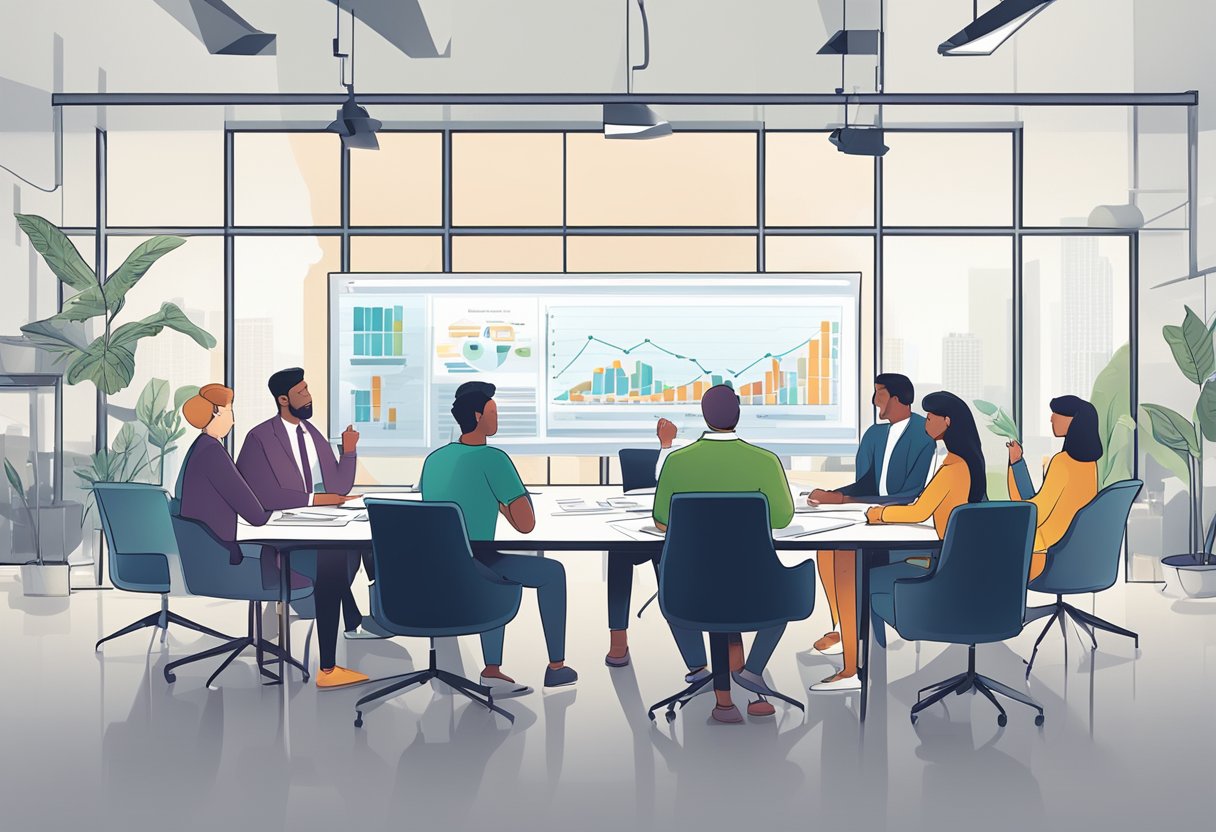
{"points": [[483, 481], [720, 461]]}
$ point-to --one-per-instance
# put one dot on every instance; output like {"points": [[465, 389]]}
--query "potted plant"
{"points": [[107, 360], [1191, 345], [37, 577]]}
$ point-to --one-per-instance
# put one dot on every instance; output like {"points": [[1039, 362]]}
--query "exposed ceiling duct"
{"points": [[219, 27]]}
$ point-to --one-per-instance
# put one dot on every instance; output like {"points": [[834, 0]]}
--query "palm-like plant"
{"points": [[107, 360], [163, 425]]}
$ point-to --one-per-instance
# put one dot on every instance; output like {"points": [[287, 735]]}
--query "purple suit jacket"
{"points": [[213, 492], [268, 465]]}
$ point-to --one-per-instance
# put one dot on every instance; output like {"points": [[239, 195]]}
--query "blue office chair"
{"points": [[976, 595], [429, 585], [209, 572], [1086, 559], [143, 553], [637, 467], [719, 573]]}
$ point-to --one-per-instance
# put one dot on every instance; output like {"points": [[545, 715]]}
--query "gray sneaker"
{"points": [[361, 632]]}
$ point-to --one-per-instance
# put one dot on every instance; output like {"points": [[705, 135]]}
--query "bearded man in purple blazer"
{"points": [[288, 463]]}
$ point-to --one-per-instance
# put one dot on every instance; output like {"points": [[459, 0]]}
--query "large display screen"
{"points": [[586, 364]]}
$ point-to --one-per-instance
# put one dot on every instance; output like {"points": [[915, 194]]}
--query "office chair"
{"points": [[637, 467], [719, 573], [208, 572], [976, 595], [1086, 559], [143, 553], [429, 585]]}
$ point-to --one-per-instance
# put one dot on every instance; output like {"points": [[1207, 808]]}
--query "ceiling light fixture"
{"points": [[634, 121], [992, 28], [353, 124], [859, 141]]}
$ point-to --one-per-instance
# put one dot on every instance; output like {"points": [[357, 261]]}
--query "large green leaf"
{"points": [[13, 479], [1205, 411], [169, 317], [109, 366], [184, 393], [58, 252], [152, 401], [97, 300], [136, 266], [57, 336], [1172, 429], [1191, 344], [987, 408]]}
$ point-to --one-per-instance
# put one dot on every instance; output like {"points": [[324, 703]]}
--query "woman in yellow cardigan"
{"points": [[959, 480], [1071, 480]]}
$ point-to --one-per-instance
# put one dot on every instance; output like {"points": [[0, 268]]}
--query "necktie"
{"points": [[305, 462]]}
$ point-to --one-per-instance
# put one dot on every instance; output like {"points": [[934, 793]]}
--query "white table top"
{"points": [[559, 530]]}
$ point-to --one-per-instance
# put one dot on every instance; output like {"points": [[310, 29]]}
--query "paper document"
{"points": [[328, 522], [637, 528], [812, 525]]}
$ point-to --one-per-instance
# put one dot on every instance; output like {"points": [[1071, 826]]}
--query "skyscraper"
{"points": [[963, 365], [1086, 287], [255, 362], [893, 355]]}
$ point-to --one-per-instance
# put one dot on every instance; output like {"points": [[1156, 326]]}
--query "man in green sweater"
{"points": [[721, 462]]}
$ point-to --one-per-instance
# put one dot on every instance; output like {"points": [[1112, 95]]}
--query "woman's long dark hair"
{"points": [[1083, 442], [962, 439]]}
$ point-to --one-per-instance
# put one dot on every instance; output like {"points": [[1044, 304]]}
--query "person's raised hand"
{"points": [[666, 431], [1015, 451], [350, 439]]}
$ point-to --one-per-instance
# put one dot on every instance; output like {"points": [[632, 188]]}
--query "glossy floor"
{"points": [[102, 742]]}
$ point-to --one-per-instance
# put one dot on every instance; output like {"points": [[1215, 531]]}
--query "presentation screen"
{"points": [[587, 364]]}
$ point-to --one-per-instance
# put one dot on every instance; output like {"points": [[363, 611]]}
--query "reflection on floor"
{"points": [[102, 742]]}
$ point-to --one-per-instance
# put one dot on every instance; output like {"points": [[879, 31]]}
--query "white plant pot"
{"points": [[1187, 578], [48, 579]]}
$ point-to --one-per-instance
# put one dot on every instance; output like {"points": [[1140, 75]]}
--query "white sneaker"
{"points": [[845, 685], [502, 689], [362, 632]]}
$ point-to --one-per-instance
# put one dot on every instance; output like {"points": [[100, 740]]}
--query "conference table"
{"points": [[598, 518]]}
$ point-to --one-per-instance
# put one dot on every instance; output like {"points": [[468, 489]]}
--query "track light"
{"points": [[633, 121], [859, 141], [355, 126], [992, 28]]}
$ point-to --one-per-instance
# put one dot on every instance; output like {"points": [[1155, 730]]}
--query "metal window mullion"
{"points": [[447, 201], [878, 264], [1133, 351], [1019, 309], [761, 162], [344, 189], [229, 267]]}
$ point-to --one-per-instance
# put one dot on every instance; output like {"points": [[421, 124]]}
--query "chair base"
{"points": [[975, 682], [680, 699], [1087, 622], [235, 646], [161, 620], [478, 693]]}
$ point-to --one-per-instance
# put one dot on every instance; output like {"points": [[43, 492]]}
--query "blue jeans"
{"points": [[620, 589], [548, 578]]}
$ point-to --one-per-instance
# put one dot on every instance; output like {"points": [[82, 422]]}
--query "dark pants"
{"points": [[620, 592], [331, 573], [548, 578], [757, 658]]}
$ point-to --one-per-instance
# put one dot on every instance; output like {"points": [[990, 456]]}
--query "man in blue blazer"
{"points": [[893, 462]]}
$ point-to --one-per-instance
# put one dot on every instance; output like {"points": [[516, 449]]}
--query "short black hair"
{"points": [[280, 383], [471, 398], [899, 386]]}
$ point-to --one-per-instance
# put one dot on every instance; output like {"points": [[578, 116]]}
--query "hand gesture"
{"points": [[332, 499], [350, 439], [1015, 451], [874, 515], [666, 432], [821, 497]]}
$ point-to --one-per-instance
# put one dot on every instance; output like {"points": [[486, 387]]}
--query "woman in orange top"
{"points": [[1071, 480]]}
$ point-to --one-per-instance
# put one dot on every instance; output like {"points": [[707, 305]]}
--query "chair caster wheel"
{"points": [[651, 715], [170, 677], [358, 722], [913, 719], [1038, 720], [1002, 720], [671, 716]]}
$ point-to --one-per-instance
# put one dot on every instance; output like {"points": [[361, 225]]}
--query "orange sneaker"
{"points": [[339, 677], [761, 707]]}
